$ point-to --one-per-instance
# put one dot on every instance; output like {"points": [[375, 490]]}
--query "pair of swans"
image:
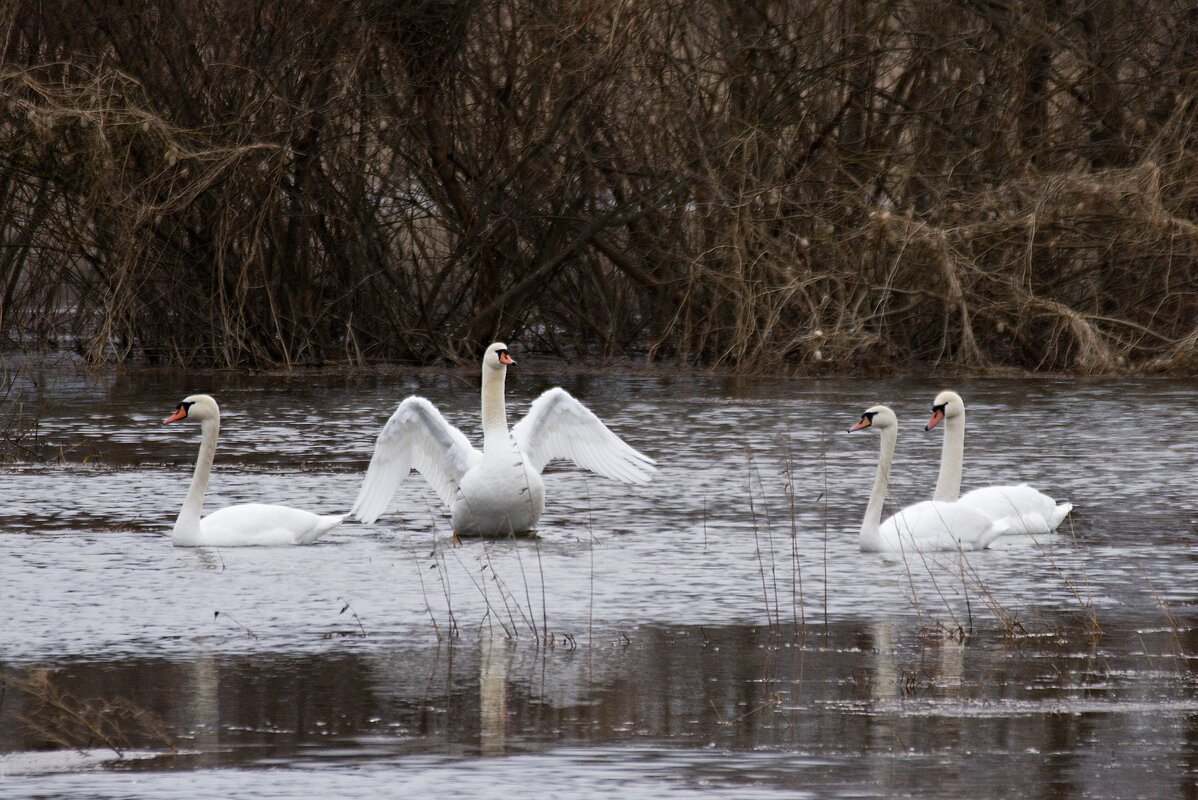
{"points": [[495, 491], [948, 521]]}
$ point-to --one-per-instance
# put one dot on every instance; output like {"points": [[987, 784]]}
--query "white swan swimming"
{"points": [[251, 524], [497, 491], [1025, 509], [929, 525]]}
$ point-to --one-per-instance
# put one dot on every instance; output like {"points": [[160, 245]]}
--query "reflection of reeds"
{"points": [[70, 722]]}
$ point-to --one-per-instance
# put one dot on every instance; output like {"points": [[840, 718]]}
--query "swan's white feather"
{"points": [[498, 490], [558, 426], [933, 525], [259, 524], [1026, 510], [247, 525], [416, 436], [925, 526]]}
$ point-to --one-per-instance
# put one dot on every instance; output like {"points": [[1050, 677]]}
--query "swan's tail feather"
{"points": [[326, 524], [1059, 514], [996, 529]]}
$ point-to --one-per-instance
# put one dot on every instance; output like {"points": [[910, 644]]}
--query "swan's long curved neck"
{"points": [[494, 406], [188, 521], [877, 498], [948, 485]]}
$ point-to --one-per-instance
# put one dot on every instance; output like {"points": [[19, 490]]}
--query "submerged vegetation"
{"points": [[18, 422], [57, 717], [759, 186]]}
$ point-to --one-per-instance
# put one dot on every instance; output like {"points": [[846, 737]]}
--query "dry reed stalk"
{"points": [[798, 611], [509, 633], [765, 595], [1079, 587], [503, 591], [424, 594]]}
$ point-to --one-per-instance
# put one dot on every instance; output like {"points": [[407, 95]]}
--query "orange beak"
{"points": [[862, 423], [937, 418], [504, 358], [180, 413]]}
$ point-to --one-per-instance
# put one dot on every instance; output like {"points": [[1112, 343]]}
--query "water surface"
{"points": [[716, 632]]}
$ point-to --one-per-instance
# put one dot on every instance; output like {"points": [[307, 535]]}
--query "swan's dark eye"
{"points": [[939, 408], [184, 407], [869, 415]]}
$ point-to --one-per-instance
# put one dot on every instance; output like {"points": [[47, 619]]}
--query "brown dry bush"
{"points": [[755, 186]]}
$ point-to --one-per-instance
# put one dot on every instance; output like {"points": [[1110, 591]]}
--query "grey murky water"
{"points": [[715, 633]]}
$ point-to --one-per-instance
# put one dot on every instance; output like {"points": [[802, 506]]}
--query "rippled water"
{"points": [[717, 632]]}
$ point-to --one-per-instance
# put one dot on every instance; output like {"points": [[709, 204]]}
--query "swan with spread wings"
{"points": [[498, 490]]}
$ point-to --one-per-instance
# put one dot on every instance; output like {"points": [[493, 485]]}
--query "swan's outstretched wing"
{"points": [[415, 436], [558, 426]]}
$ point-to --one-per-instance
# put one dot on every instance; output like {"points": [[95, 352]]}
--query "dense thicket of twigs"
{"points": [[758, 185]]}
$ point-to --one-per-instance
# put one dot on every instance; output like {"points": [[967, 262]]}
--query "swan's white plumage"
{"points": [[258, 524], [416, 436], [497, 490], [931, 525], [925, 526], [558, 426], [246, 525], [1025, 509]]}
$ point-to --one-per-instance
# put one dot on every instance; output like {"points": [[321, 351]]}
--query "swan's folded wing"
{"points": [[1028, 510], [558, 426], [415, 436]]}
